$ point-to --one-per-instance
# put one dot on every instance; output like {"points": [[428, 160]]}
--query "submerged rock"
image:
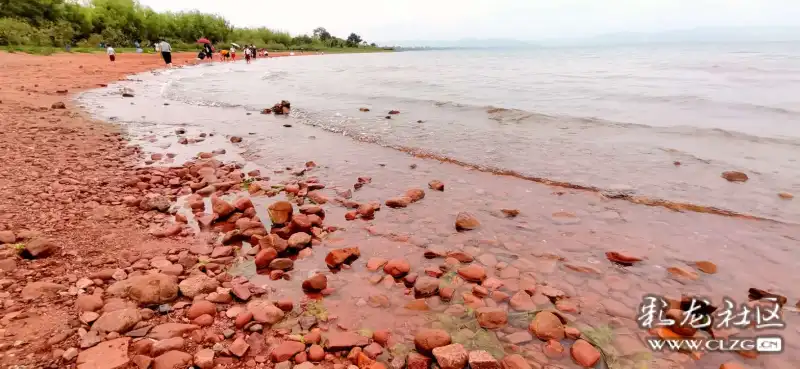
{"points": [[735, 176], [466, 221]]}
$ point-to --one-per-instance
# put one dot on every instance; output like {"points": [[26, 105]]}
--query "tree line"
{"points": [[122, 23]]}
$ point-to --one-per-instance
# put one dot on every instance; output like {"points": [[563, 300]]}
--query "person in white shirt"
{"points": [[233, 53], [166, 52], [112, 55]]}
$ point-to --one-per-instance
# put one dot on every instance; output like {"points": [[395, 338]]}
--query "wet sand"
{"points": [[558, 231], [557, 242]]}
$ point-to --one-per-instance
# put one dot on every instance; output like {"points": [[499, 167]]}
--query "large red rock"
{"points": [[201, 307], [466, 221], [169, 344], [264, 257], [547, 326], [204, 359], [397, 268], [316, 283], [337, 257], [317, 197], [198, 284], [286, 350], [436, 185], [221, 207], [428, 339], [280, 212], [452, 356], [522, 301], [491, 318], [418, 361], [472, 273], [299, 240], [265, 312], [301, 223], [39, 248], [337, 341], [150, 289], [398, 202], [584, 353], [117, 321], [106, 355], [172, 360]]}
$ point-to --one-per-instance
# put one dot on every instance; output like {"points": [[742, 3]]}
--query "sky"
{"points": [[529, 20]]}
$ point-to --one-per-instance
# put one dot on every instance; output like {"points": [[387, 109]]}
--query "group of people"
{"points": [[163, 47], [250, 52]]}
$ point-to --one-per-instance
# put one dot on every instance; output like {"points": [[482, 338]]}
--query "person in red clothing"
{"points": [[233, 53]]}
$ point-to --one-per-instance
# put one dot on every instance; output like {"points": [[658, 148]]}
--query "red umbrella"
{"points": [[203, 41]]}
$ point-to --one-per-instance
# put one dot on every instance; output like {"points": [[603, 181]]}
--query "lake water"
{"points": [[614, 120], [603, 117]]}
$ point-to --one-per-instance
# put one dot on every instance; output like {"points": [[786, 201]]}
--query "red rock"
{"points": [[316, 283], [265, 312], [316, 353], [366, 211], [397, 268], [204, 320], [141, 361], [221, 207], [88, 303], [621, 258], [398, 202], [436, 185], [373, 350], [241, 291], [283, 264], [238, 347], [491, 318], [172, 360], [572, 333], [706, 267], [350, 215], [480, 359], [514, 361], [147, 289], [264, 257], [418, 305], [117, 321], [472, 273], [222, 251], [280, 212], [106, 355], [7, 237], [299, 240], [204, 359], [681, 273], [521, 301], [373, 264], [301, 223], [510, 213], [39, 248], [731, 365], [446, 293], [169, 344], [292, 188], [242, 319], [428, 339], [452, 356], [337, 341], [785, 195], [734, 176], [273, 241], [553, 349], [337, 257], [286, 351], [201, 307], [418, 361], [197, 284], [415, 194], [426, 287], [313, 337], [170, 330], [317, 197], [285, 305], [584, 354], [466, 221], [381, 337], [547, 326]]}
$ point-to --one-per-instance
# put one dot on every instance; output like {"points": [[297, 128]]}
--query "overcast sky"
{"points": [[392, 20]]}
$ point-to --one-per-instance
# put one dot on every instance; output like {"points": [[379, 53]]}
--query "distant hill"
{"points": [[467, 43]]}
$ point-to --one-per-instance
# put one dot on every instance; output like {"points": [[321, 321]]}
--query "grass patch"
{"points": [[246, 183], [316, 309]]}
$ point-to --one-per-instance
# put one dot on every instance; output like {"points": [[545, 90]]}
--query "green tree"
{"points": [[322, 34], [353, 40]]}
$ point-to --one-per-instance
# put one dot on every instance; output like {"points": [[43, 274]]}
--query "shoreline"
{"points": [[115, 229]]}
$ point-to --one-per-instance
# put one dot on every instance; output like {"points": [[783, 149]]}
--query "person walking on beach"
{"points": [[112, 55], [247, 52], [166, 52], [233, 53]]}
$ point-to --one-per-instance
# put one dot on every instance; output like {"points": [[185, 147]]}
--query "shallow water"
{"points": [[749, 253]]}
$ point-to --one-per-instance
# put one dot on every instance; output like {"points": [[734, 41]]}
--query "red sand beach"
{"points": [[117, 258]]}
